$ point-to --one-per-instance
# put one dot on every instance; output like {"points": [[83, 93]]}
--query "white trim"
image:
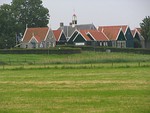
{"points": [[24, 34], [47, 33], [126, 29], [134, 33], [139, 34], [80, 43], [33, 37], [119, 34], [105, 35], [91, 36], [81, 35], [60, 35], [72, 35]]}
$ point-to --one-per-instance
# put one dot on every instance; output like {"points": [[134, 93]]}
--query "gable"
{"points": [[90, 37], [137, 36], [33, 40], [63, 37], [72, 37], [39, 33], [79, 38], [128, 34], [121, 36]]}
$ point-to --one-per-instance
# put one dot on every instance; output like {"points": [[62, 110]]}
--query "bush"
{"points": [[41, 51], [112, 49]]}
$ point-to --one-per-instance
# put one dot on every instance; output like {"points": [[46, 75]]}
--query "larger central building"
{"points": [[73, 26]]}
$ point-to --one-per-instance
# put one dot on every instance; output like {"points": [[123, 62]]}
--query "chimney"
{"points": [[61, 24], [70, 23]]}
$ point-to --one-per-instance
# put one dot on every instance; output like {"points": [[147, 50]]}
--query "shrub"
{"points": [[41, 51]]}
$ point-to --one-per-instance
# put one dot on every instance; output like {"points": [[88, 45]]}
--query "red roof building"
{"points": [[115, 35], [38, 38], [139, 41], [60, 37]]}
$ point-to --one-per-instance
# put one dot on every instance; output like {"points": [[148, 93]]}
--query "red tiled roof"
{"points": [[98, 35], [38, 33], [139, 30], [84, 34], [57, 34], [123, 27], [133, 32], [111, 32]]}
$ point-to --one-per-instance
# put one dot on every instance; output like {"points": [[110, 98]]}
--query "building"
{"points": [[115, 35], [79, 38], [73, 26], [38, 38], [60, 37], [88, 37], [128, 34], [139, 41]]}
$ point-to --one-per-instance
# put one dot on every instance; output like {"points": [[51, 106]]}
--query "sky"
{"points": [[98, 12]]}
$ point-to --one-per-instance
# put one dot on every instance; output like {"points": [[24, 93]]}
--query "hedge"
{"points": [[111, 49], [41, 51]]}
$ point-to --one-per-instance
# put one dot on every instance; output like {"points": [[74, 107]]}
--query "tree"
{"points": [[7, 33], [15, 17], [31, 13], [145, 28]]}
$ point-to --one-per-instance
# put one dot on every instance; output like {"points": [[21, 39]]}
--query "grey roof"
{"points": [[68, 30]]}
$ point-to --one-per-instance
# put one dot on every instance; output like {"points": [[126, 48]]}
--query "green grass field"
{"points": [[113, 90], [85, 83], [84, 58]]}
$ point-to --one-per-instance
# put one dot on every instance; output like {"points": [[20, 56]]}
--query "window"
{"points": [[33, 44], [101, 44], [121, 44], [106, 43]]}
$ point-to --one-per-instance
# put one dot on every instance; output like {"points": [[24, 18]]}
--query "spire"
{"points": [[74, 20]]}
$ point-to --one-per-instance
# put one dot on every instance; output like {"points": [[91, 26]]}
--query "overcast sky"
{"points": [[98, 12]]}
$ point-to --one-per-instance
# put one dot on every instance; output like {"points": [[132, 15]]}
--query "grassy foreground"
{"points": [[99, 90]]}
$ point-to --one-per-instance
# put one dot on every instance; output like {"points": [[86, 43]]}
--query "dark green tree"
{"points": [[145, 28], [31, 13], [15, 17], [7, 28]]}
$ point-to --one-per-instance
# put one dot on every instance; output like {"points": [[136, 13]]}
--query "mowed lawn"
{"points": [[99, 90]]}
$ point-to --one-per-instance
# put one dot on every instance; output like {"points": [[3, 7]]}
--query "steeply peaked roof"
{"points": [[133, 32], [57, 34], [84, 34], [112, 32], [137, 31], [98, 35], [39, 33]]}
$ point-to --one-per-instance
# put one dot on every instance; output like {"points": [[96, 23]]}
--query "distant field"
{"points": [[84, 58], [100, 90], [91, 82]]}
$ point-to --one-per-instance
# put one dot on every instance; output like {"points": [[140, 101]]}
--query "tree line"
{"points": [[14, 19]]}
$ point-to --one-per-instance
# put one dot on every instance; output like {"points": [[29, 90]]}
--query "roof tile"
{"points": [[38, 33]]}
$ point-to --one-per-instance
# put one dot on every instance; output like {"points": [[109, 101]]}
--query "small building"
{"points": [[115, 35], [60, 37], [79, 38], [38, 38], [129, 37], [139, 41], [89, 37]]}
